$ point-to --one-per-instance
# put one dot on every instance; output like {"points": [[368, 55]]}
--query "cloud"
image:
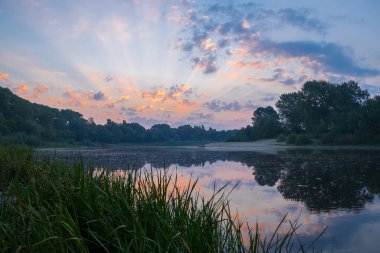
{"points": [[269, 98], [321, 57], [170, 93], [199, 116], [300, 18], [218, 106], [372, 89], [123, 98], [256, 65], [130, 111], [41, 88], [70, 94], [185, 103], [155, 96], [30, 92], [140, 108], [125, 80], [3, 76], [99, 96], [38, 91], [22, 89], [108, 78], [212, 27], [109, 104], [76, 98], [206, 63]]}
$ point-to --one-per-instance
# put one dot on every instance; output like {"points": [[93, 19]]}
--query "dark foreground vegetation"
{"points": [[47, 206], [32, 124], [332, 113]]}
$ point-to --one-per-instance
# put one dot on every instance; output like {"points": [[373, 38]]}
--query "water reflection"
{"points": [[322, 180], [338, 189]]}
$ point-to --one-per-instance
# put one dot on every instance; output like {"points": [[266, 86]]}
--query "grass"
{"points": [[48, 206]]}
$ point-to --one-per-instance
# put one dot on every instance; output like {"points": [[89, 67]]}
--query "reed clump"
{"points": [[49, 206]]}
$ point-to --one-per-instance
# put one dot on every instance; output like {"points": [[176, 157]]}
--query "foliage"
{"points": [[303, 139], [291, 139], [33, 124], [78, 209], [340, 113], [281, 138], [266, 123], [243, 135]]}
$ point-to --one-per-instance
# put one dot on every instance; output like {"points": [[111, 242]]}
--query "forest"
{"points": [[341, 113], [23, 122], [331, 113]]}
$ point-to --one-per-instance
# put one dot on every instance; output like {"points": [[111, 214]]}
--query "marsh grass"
{"points": [[50, 206]]}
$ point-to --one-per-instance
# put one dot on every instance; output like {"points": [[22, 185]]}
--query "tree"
{"points": [[320, 107], [161, 132], [371, 117], [291, 112], [266, 123]]}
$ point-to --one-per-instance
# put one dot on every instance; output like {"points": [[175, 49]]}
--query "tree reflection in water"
{"points": [[322, 180]]}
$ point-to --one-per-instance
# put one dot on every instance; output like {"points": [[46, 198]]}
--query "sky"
{"points": [[208, 63]]}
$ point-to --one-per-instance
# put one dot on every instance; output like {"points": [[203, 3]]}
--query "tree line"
{"points": [[33, 124], [333, 113]]}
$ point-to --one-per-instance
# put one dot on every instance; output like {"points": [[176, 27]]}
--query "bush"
{"points": [[327, 138], [302, 140], [281, 138], [291, 139], [349, 139]]}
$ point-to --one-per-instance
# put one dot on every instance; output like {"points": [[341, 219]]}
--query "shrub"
{"points": [[349, 139], [281, 138], [291, 139], [327, 138], [302, 140]]}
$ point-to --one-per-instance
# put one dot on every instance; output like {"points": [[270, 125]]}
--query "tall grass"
{"points": [[69, 208]]}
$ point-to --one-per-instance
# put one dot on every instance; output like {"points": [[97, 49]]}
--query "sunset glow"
{"points": [[208, 63]]}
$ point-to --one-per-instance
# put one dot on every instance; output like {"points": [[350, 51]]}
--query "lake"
{"points": [[337, 189]]}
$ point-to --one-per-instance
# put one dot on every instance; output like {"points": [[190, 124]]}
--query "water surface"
{"points": [[339, 190]]}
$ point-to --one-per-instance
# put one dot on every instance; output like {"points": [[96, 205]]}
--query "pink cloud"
{"points": [[3, 76], [38, 91], [140, 108], [170, 93], [22, 89], [123, 98], [41, 88], [155, 96], [256, 65]]}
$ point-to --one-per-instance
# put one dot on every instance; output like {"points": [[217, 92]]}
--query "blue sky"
{"points": [[179, 62]]}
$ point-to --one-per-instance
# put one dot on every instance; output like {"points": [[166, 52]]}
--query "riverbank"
{"points": [[271, 146], [266, 146]]}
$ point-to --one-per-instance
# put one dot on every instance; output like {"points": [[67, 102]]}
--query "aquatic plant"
{"points": [[74, 208]]}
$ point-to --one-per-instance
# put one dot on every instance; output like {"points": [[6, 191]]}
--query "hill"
{"points": [[33, 124]]}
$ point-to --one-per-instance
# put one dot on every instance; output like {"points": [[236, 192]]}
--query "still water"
{"points": [[339, 190]]}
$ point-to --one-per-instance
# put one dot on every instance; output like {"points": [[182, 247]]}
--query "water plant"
{"points": [[74, 208]]}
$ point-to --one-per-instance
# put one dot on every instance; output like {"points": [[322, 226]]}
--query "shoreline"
{"points": [[269, 146], [272, 146]]}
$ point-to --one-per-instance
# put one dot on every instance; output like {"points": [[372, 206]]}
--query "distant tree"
{"points": [[26, 122], [291, 112], [161, 132], [266, 123], [370, 116]]}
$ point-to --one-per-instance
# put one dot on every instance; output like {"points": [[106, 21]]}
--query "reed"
{"points": [[49, 206]]}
